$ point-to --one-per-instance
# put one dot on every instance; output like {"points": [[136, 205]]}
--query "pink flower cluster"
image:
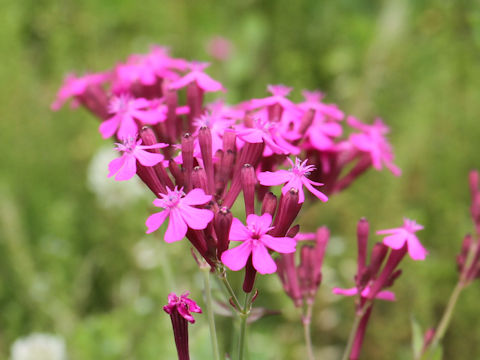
{"points": [[197, 158]]}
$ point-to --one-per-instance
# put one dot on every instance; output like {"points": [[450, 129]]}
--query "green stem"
{"points": [[447, 316], [211, 317], [223, 277], [351, 337], [307, 320], [243, 326]]}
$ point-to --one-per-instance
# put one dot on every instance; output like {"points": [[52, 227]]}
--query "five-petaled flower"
{"points": [[296, 178], [183, 305], [180, 208], [126, 112], [197, 75], [398, 237], [255, 242], [125, 167]]}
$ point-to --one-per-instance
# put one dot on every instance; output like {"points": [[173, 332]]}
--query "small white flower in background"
{"points": [[112, 193], [39, 347]]}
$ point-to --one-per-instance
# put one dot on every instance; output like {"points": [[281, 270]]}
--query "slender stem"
{"points": [[223, 277], [243, 326], [211, 316], [307, 320], [351, 337]]}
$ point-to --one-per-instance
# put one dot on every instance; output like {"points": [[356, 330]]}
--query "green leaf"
{"points": [[436, 354], [417, 337]]}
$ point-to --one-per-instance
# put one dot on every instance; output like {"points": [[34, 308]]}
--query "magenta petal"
{"points": [[108, 127], [284, 245], [176, 227], [314, 191], [386, 295], [268, 178], [207, 83], [345, 292], [236, 258], [196, 197], [182, 82], [261, 223], [129, 168], [156, 220], [395, 241], [319, 140], [262, 261], [128, 127], [147, 158], [238, 231], [197, 219], [415, 248], [115, 165]]}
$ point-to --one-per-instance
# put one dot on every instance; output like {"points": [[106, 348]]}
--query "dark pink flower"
{"points": [[383, 295], [196, 74], [126, 110], [255, 242], [181, 210], [125, 167], [74, 86], [373, 142], [398, 237], [295, 178], [183, 305]]}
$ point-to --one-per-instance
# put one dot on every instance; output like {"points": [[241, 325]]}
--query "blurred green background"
{"points": [[74, 260]]}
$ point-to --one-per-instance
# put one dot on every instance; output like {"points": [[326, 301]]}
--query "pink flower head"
{"points": [[196, 74], [125, 167], [296, 178], [383, 295], [255, 243], [183, 305], [126, 110], [313, 101], [76, 86], [398, 237], [372, 141], [182, 212], [279, 96]]}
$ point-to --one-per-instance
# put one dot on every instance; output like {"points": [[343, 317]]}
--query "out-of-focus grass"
{"points": [[68, 264]]}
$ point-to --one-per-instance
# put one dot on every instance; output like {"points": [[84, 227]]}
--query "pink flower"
{"points": [[196, 74], [125, 167], [220, 48], [296, 178], [126, 110], [255, 243], [372, 141], [313, 101], [180, 208], [398, 237], [279, 96], [183, 305], [76, 86], [383, 295]]}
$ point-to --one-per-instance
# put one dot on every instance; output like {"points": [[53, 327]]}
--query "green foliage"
{"points": [[71, 266]]}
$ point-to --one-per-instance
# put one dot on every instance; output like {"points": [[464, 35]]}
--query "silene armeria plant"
{"points": [[271, 154]]}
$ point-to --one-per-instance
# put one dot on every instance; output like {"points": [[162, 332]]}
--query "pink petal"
{"points": [[262, 261], [238, 231], [262, 223], [415, 248], [128, 170], [319, 140], [389, 231], [314, 191], [268, 178], [284, 245], [182, 82], [332, 129], [115, 165], [176, 227], [386, 295], [196, 197], [156, 220], [236, 258], [197, 219], [149, 117], [108, 127], [207, 83], [345, 292], [128, 127], [395, 241], [147, 158]]}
